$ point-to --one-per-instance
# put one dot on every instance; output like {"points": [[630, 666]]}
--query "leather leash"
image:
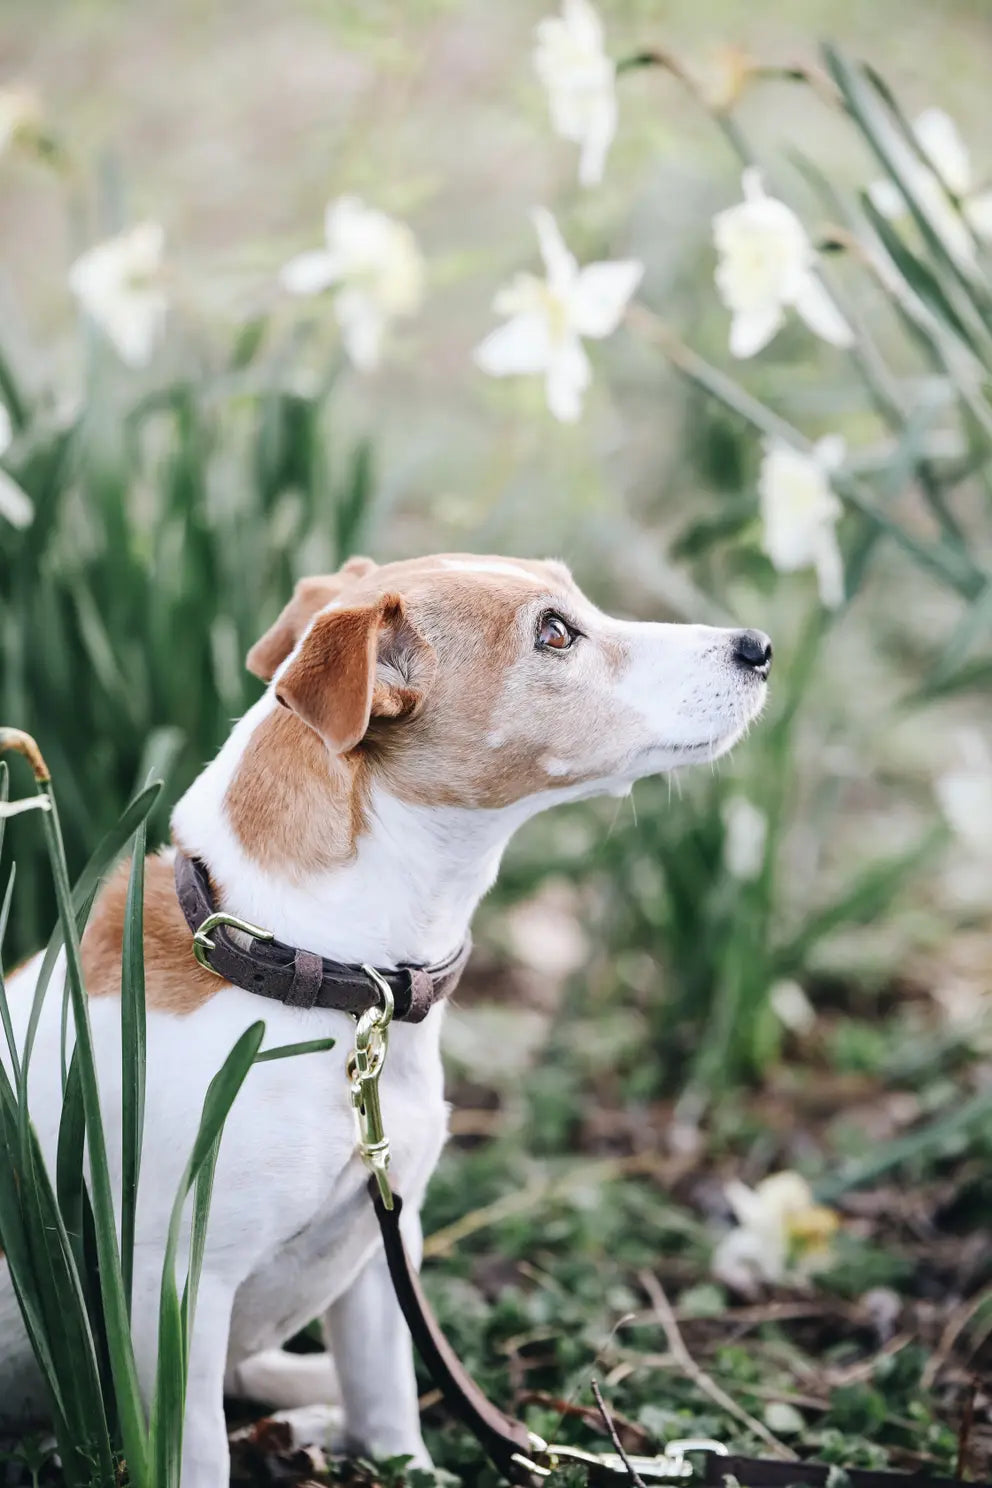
{"points": [[301, 979]]}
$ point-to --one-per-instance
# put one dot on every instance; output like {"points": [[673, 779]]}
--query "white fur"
{"points": [[292, 1234]]}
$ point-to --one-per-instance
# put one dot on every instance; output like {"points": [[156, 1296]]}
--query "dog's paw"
{"points": [[283, 1380], [317, 1425]]}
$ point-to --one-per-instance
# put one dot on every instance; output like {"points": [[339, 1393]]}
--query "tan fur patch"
{"points": [[175, 982], [292, 805]]}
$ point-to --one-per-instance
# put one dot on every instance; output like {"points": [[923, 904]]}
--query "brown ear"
{"points": [[332, 683], [309, 596]]}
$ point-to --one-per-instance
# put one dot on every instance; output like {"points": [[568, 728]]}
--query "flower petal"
{"points": [[601, 293], [569, 374], [814, 305], [938, 138], [599, 129], [584, 24], [978, 211], [6, 429], [830, 451], [27, 803], [750, 330], [522, 345], [309, 273], [829, 569], [16, 505], [363, 326], [558, 261], [887, 199]]}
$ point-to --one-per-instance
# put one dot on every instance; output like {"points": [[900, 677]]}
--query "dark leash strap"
{"points": [[524, 1459], [259, 963], [507, 1443], [759, 1472]]}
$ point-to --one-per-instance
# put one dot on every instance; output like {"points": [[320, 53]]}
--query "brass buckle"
{"points": [[364, 1067], [671, 1465], [202, 942]]}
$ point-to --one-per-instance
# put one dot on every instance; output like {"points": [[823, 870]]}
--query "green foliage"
{"points": [[169, 528], [70, 1268]]}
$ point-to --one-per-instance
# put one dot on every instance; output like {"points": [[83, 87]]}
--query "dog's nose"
{"points": [[753, 649]]}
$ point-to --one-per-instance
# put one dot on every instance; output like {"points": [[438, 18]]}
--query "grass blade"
{"points": [[132, 1054]]}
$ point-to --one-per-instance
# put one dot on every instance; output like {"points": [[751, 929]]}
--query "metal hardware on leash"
{"points": [[202, 942], [671, 1465], [364, 1067]]}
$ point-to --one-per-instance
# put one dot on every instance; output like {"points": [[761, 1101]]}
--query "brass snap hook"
{"points": [[365, 1063]]}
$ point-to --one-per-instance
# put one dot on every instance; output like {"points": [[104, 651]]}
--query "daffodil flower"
{"points": [[799, 512], [581, 83], [767, 265], [20, 115], [120, 285], [549, 317], [938, 138], [745, 833], [965, 793], [373, 263], [782, 1235], [15, 504]]}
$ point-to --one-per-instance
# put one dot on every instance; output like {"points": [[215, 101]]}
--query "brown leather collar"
{"points": [[302, 978]]}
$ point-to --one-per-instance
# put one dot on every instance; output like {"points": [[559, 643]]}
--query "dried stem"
{"points": [[614, 1435], [677, 1347]]}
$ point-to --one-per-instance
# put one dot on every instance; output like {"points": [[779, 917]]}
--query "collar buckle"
{"points": [[202, 943]]}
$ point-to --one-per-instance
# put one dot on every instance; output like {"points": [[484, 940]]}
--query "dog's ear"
{"points": [[309, 596], [356, 664]]}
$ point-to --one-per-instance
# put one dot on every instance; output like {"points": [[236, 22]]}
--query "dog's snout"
{"points": [[753, 649]]}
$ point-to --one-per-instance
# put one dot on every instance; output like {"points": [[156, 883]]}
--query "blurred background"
{"points": [[777, 969]]}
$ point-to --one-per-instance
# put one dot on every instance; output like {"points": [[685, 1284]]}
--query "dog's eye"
{"points": [[554, 633]]}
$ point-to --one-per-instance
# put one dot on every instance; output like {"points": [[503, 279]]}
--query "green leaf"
{"points": [[132, 1053], [176, 1319], [288, 1051]]}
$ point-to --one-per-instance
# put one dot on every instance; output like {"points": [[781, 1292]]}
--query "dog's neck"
{"points": [[404, 892]]}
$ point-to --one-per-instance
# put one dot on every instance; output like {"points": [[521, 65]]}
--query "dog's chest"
{"points": [[331, 1238]]}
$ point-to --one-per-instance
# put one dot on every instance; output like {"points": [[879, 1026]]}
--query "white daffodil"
{"points": [[120, 284], [767, 264], [581, 82], [799, 512], [745, 829], [27, 803], [549, 317], [20, 114], [782, 1236], [15, 504], [938, 138], [374, 264], [791, 1006], [965, 793]]}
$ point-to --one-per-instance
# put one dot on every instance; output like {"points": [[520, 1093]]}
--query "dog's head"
{"points": [[479, 682]]}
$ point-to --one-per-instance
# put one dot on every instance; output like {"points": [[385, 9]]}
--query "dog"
{"points": [[416, 714]]}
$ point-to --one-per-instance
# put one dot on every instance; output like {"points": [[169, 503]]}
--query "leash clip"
{"points": [[202, 943], [670, 1466], [364, 1067]]}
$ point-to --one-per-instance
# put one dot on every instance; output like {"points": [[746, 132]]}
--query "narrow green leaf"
{"points": [[288, 1051], [175, 1321], [132, 1053]]}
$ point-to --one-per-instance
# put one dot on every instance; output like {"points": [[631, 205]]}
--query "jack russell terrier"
{"points": [[417, 713]]}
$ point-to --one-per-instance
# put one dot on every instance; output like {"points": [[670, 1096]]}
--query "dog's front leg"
{"points": [[368, 1337], [206, 1459]]}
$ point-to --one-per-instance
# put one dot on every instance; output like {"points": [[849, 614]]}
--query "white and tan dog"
{"points": [[418, 713]]}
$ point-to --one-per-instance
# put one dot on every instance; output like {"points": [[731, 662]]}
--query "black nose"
{"points": [[753, 649]]}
